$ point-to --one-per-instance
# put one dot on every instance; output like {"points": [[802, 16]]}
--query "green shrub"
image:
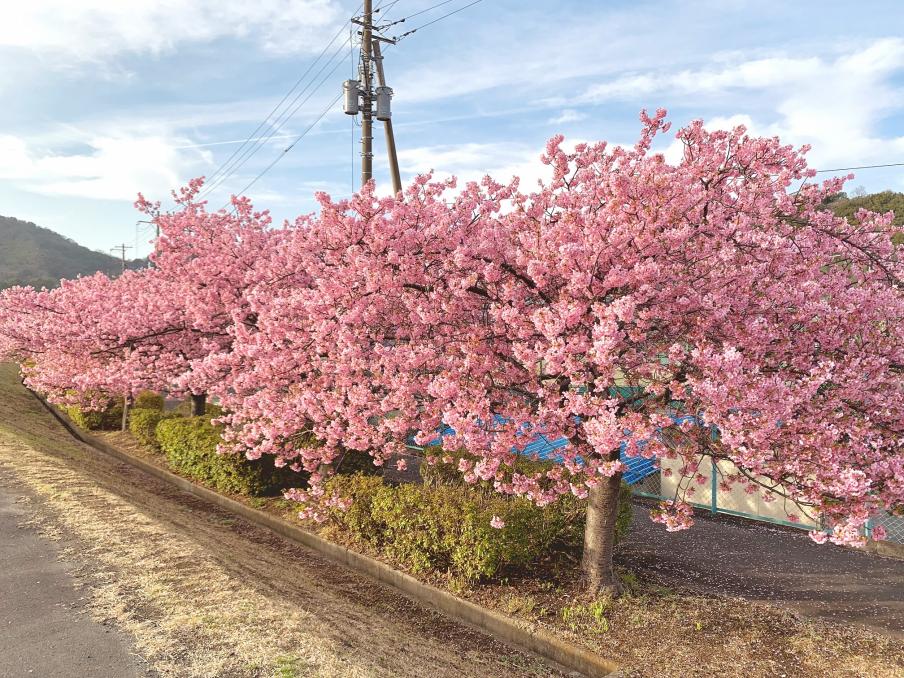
{"points": [[107, 419], [190, 445], [447, 528], [148, 400], [143, 424], [447, 475]]}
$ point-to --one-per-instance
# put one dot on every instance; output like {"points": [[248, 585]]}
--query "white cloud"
{"points": [[110, 168], [566, 116], [97, 30], [835, 105]]}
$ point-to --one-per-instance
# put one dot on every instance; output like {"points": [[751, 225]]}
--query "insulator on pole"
{"points": [[384, 97], [352, 91]]}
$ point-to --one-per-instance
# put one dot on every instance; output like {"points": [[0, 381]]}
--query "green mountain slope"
{"points": [[31, 255], [886, 201]]}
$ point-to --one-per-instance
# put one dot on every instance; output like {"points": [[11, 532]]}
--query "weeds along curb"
{"points": [[513, 632]]}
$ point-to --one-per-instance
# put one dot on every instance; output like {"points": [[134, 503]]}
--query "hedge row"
{"points": [[107, 419], [143, 424], [442, 525], [446, 473], [190, 446], [446, 527]]}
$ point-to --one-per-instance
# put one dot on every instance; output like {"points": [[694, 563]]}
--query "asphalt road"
{"points": [[45, 631]]}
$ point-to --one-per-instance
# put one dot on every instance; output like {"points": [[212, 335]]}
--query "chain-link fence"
{"points": [[707, 495], [893, 525]]}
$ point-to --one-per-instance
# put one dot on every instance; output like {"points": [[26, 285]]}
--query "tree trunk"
{"points": [[198, 404], [125, 413], [599, 538]]}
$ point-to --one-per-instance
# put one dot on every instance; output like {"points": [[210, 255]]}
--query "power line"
{"points": [[444, 16], [845, 169], [277, 124], [277, 107], [290, 146], [264, 122], [414, 14]]}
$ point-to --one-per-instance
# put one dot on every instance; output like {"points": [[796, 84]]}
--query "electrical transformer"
{"points": [[352, 90], [384, 97]]}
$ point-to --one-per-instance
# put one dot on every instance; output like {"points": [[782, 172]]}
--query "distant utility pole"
{"points": [[156, 223], [122, 250], [360, 96]]}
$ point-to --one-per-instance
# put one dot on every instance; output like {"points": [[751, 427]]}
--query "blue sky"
{"points": [[103, 98]]}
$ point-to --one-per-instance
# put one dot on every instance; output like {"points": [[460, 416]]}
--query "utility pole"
{"points": [[360, 96], [122, 250], [367, 134], [387, 122]]}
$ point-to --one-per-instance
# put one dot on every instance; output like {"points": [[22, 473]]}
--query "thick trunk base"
{"points": [[198, 405], [597, 567]]}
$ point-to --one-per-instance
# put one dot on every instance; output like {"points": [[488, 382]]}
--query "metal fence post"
{"points": [[714, 487]]}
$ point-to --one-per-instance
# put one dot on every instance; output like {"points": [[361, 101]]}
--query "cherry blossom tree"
{"points": [[624, 292], [147, 329], [94, 336]]}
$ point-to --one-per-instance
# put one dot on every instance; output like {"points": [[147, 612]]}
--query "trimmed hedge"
{"points": [[143, 424], [447, 474], [190, 445], [447, 528], [148, 400], [107, 419]]}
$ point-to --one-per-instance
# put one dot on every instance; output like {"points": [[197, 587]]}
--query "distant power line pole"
{"points": [[122, 250], [360, 96]]}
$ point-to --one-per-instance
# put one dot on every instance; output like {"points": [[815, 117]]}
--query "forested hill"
{"points": [[887, 201], [31, 255]]}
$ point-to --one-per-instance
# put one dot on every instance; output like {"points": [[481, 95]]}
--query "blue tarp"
{"points": [[638, 467]]}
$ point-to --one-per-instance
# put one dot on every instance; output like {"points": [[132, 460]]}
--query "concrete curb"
{"points": [[537, 641]]}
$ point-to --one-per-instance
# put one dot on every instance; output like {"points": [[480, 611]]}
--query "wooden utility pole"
{"points": [[367, 136], [387, 125], [361, 95], [122, 250]]}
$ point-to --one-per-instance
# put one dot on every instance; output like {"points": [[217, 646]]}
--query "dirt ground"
{"points": [[202, 593], [780, 565]]}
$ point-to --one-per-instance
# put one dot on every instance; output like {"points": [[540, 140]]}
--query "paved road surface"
{"points": [[44, 630]]}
